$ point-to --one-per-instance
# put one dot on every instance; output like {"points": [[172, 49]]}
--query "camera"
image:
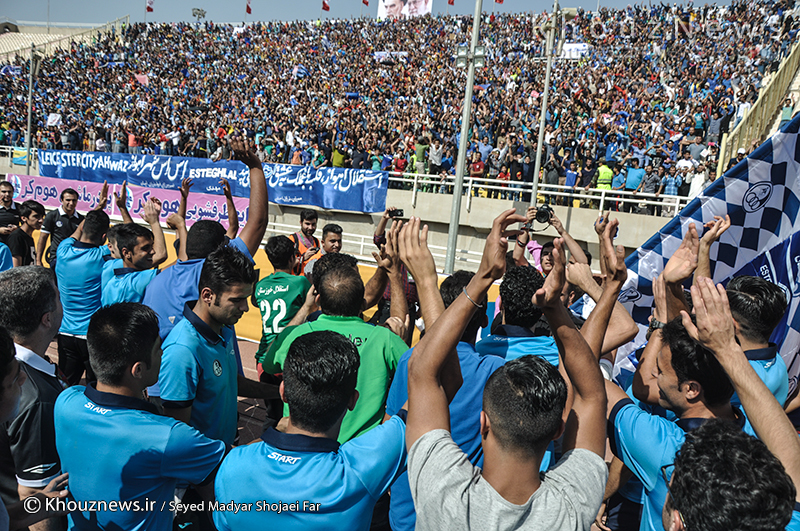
{"points": [[543, 214], [397, 213]]}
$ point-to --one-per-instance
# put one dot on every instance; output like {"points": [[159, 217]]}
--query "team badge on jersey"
{"points": [[217, 368]]}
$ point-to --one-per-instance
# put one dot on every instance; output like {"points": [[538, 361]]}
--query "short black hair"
{"points": [[341, 292], [757, 305], [451, 289], [516, 292], [320, 375], [95, 225], [329, 262], [119, 336], [692, 361], [6, 184], [128, 235], [7, 353], [111, 234], [203, 238], [726, 479], [331, 227], [546, 245], [26, 294], [307, 214], [29, 206], [524, 400], [66, 191], [224, 268], [280, 251]]}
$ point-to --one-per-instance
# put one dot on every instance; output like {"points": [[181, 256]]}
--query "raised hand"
{"points": [[226, 188], [493, 261], [714, 329], [121, 199], [684, 261], [152, 210], [243, 151], [715, 229], [413, 250], [549, 295], [102, 201], [614, 258], [186, 186]]}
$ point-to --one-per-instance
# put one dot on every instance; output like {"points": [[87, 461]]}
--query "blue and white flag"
{"points": [[761, 194]]}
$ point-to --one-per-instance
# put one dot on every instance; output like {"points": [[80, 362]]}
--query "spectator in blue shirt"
{"points": [[113, 443], [324, 485], [633, 179], [142, 251]]}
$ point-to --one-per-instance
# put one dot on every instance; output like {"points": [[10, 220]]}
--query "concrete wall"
{"points": [[434, 209]]}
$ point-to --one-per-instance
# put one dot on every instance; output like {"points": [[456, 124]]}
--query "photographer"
{"points": [[541, 215]]}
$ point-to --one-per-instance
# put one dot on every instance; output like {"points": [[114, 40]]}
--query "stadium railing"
{"points": [[64, 41], [759, 119]]}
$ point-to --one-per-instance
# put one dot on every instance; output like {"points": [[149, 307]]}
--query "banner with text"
{"points": [[47, 190], [331, 188]]}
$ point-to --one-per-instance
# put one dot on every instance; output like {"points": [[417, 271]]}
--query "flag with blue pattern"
{"points": [[761, 194]]}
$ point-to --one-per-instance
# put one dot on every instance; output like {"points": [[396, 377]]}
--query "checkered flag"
{"points": [[761, 194]]}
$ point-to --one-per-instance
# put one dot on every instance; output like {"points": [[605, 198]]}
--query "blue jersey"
{"points": [[79, 267], [510, 342], [6, 261], [177, 285], [108, 269], [291, 481], [794, 523], [770, 367], [634, 178], [118, 449], [126, 284], [645, 443], [199, 369], [465, 421]]}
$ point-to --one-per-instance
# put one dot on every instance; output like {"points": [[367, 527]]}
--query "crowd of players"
{"points": [[458, 432], [656, 82]]}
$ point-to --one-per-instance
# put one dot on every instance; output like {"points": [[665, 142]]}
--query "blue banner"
{"points": [[330, 188]]}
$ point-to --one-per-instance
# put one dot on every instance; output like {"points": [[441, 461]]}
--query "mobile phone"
{"points": [[397, 213]]}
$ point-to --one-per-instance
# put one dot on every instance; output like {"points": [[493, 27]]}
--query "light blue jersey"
{"points": [[79, 267], [291, 481], [117, 449], [510, 342], [199, 369], [126, 284]]}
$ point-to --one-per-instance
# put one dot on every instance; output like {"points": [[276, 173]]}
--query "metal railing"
{"points": [[757, 122], [593, 198], [50, 47]]}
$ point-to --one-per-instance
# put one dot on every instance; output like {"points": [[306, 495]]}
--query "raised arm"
{"points": [[714, 229], [678, 270], [256, 226], [434, 374], [121, 199], [415, 254], [233, 216], [399, 304], [186, 186], [102, 200], [572, 246], [178, 224], [586, 425], [715, 331], [152, 211]]}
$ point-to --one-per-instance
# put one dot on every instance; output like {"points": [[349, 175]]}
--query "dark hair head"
{"points": [[68, 191], [341, 292], [95, 225], [119, 336], [26, 294], [7, 353], [450, 290], [29, 206], [547, 245], [524, 400], [280, 251], [757, 305], [516, 292], [307, 214], [320, 374], [111, 234], [128, 236], [692, 361], [331, 227], [224, 268], [329, 262], [6, 184], [204, 236], [726, 479]]}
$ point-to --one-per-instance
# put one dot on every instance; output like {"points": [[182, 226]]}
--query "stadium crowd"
{"points": [[505, 430], [656, 82]]}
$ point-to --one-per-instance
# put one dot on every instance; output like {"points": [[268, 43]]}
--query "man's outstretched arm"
{"points": [[434, 374], [256, 226]]}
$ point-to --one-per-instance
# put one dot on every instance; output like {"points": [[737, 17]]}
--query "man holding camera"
{"points": [[545, 214]]}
